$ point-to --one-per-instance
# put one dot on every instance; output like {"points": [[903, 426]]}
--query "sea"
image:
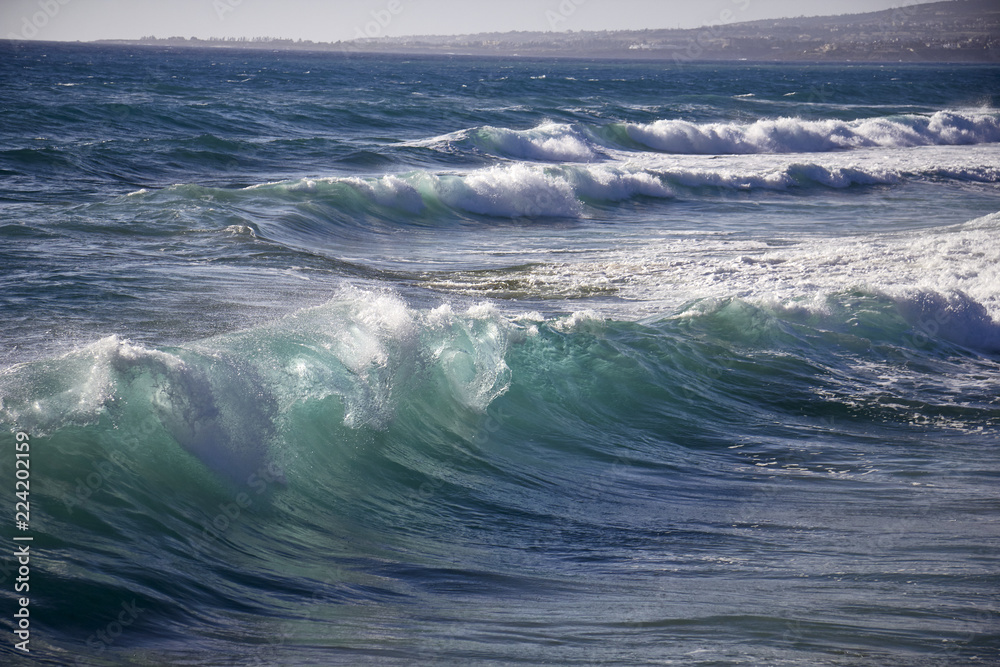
{"points": [[326, 358]]}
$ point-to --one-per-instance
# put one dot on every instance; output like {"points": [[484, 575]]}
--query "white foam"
{"points": [[576, 320], [73, 388], [389, 191], [952, 273], [372, 351], [531, 190], [512, 191], [946, 279], [867, 166], [611, 184], [240, 230], [551, 142], [214, 411], [798, 135], [952, 315]]}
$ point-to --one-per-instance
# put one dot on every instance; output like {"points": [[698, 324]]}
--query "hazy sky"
{"points": [[332, 20]]}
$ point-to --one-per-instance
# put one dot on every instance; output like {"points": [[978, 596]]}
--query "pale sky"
{"points": [[332, 20]]}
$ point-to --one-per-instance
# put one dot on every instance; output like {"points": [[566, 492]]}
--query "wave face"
{"points": [[520, 190], [560, 142], [342, 359], [798, 135], [300, 464], [551, 142]]}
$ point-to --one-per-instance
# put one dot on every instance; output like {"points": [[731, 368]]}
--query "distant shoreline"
{"points": [[479, 56], [955, 31]]}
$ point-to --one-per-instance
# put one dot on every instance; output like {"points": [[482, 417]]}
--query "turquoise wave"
{"points": [[334, 455], [768, 435]]}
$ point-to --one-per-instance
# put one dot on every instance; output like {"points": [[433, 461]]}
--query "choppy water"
{"points": [[336, 359]]}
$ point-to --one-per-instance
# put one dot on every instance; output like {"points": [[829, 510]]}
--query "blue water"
{"points": [[344, 359]]}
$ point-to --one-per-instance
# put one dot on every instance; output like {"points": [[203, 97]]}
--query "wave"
{"points": [[957, 264], [798, 135], [368, 357], [955, 317], [367, 361], [329, 446], [522, 190], [783, 177], [224, 400], [511, 191], [560, 142], [549, 142]]}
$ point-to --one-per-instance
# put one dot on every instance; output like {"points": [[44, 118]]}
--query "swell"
{"points": [[938, 272], [367, 359], [797, 135], [310, 209], [365, 430], [561, 142], [627, 153], [363, 347], [424, 197]]}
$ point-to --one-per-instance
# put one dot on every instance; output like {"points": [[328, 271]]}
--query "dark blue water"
{"points": [[343, 359]]}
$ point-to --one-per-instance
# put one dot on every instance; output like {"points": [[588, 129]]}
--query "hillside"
{"points": [[953, 31]]}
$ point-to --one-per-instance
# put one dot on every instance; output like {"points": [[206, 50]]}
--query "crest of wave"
{"points": [[798, 135]]}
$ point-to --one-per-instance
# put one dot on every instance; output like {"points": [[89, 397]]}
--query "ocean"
{"points": [[341, 359]]}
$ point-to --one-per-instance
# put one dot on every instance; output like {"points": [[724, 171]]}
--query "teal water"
{"points": [[340, 359]]}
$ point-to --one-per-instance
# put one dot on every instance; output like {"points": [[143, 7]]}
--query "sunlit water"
{"points": [[333, 359]]}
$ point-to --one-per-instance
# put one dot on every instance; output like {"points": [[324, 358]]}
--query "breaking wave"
{"points": [[560, 142]]}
